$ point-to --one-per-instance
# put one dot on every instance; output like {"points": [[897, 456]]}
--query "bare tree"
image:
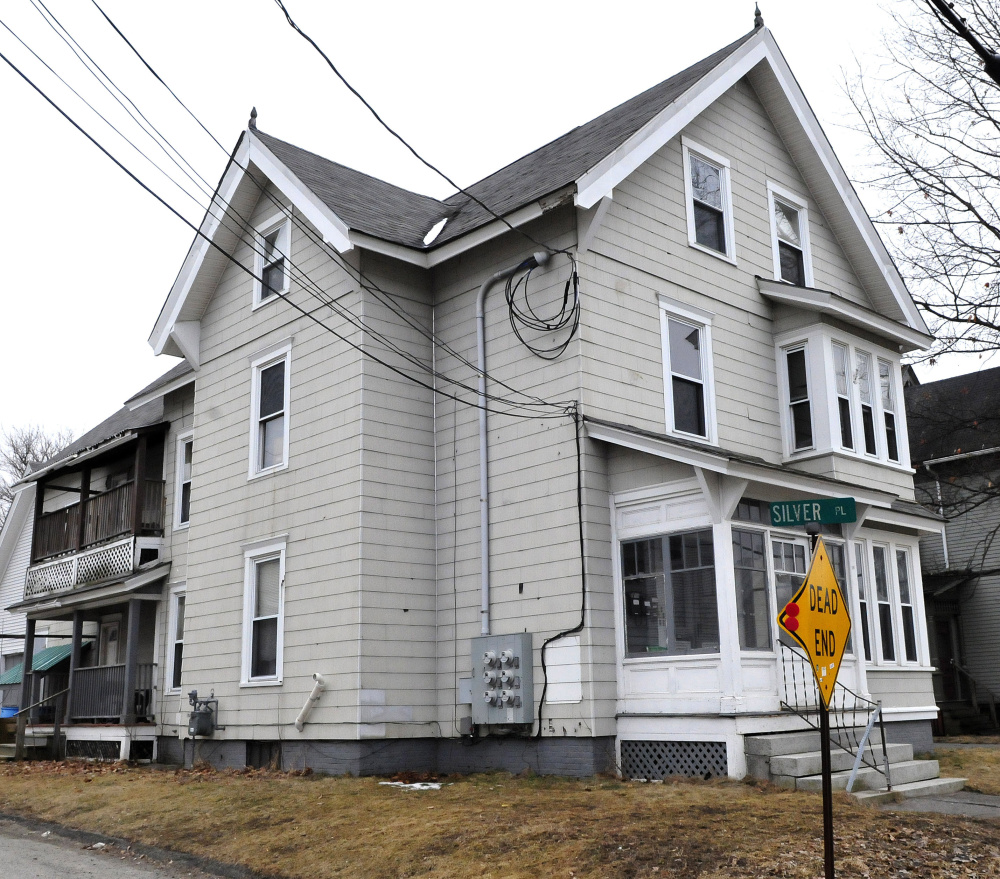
{"points": [[933, 115], [19, 448]]}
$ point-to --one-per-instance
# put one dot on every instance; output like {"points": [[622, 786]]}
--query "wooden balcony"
{"points": [[101, 518]]}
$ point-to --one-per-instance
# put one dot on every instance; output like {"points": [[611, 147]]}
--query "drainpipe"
{"points": [[538, 259], [940, 500]]}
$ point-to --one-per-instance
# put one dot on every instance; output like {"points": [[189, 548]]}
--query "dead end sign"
{"points": [[817, 617]]}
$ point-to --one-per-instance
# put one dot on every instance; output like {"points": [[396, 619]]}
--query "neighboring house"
{"points": [[332, 567], [15, 548], [955, 447]]}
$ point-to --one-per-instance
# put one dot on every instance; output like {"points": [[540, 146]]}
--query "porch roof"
{"points": [[42, 661]]}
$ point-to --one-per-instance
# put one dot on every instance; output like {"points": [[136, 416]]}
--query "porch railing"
{"points": [[106, 516], [852, 716], [976, 694], [99, 694]]}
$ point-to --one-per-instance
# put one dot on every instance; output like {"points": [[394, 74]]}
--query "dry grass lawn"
{"points": [[493, 826], [980, 765]]}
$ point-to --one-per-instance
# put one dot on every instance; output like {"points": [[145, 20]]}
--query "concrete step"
{"points": [[811, 763], [930, 787], [868, 779], [799, 742]]}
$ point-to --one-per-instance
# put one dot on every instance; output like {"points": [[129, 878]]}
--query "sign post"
{"points": [[817, 618]]}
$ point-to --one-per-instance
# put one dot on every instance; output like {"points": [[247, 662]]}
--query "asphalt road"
{"points": [[27, 853]]}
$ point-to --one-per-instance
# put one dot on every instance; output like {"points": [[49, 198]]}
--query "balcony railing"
{"points": [[106, 516]]}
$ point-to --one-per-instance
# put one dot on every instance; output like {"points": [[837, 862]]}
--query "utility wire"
{"points": [[366, 283], [197, 230], [303, 279], [398, 136]]}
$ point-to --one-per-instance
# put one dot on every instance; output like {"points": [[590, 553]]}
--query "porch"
{"points": [[99, 516], [99, 694]]}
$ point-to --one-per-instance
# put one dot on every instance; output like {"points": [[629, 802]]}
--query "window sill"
{"points": [[725, 257], [261, 303], [908, 667], [260, 474], [658, 657], [812, 454], [275, 682]]}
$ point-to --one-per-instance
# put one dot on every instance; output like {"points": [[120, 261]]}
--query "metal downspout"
{"points": [[531, 262]]}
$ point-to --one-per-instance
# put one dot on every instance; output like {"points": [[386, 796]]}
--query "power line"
{"points": [[243, 268], [302, 277], [398, 136], [366, 282]]}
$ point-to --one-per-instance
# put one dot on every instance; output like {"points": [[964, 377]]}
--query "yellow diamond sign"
{"points": [[817, 617]]}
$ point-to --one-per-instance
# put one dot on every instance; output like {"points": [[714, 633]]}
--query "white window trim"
{"points": [[703, 320], [261, 362], [279, 221], [175, 592], [182, 440], [688, 147], [802, 206], [262, 552]]}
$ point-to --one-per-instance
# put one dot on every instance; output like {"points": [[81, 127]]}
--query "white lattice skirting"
{"points": [[657, 760], [112, 560]]}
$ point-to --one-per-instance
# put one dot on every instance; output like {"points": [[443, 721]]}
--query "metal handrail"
{"points": [[843, 716], [974, 687], [42, 701], [22, 722]]}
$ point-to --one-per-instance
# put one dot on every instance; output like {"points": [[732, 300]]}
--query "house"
{"points": [[485, 482], [955, 449]]}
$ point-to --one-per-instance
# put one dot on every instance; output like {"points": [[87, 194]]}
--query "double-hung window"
{"points": [[790, 237], [863, 375], [888, 409], [841, 370], [185, 456], [861, 579], [709, 204], [687, 370], [263, 613], [906, 606], [269, 411], [799, 406], [176, 645], [670, 598], [271, 246]]}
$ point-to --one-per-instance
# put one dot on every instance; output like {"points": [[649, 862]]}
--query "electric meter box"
{"points": [[502, 680]]}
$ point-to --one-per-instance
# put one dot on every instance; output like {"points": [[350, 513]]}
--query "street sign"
{"points": [[818, 619], [821, 511]]}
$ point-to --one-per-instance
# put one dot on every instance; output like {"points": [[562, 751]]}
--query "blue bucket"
{"points": [[8, 712]]}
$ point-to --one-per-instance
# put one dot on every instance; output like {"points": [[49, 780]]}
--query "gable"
{"points": [[352, 209]]}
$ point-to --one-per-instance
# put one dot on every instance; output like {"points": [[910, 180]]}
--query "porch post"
{"points": [[81, 531], [139, 493], [74, 661], [131, 661], [22, 718], [39, 507]]}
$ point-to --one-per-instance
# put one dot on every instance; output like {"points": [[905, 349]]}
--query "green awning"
{"points": [[43, 660]]}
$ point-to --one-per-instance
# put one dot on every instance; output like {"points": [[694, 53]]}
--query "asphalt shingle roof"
{"points": [[954, 416], [391, 213]]}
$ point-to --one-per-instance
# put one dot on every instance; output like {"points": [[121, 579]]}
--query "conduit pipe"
{"points": [[317, 689], [538, 259]]}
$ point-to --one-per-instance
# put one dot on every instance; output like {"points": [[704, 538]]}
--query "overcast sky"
{"points": [[88, 257]]}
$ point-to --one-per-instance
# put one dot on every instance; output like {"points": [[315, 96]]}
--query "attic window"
{"points": [[436, 229], [789, 237], [709, 202], [271, 276]]}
